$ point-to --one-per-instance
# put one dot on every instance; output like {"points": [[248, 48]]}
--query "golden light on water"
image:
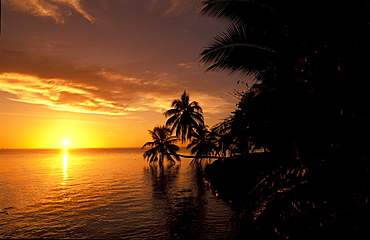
{"points": [[65, 168]]}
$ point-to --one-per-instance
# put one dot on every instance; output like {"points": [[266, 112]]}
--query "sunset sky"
{"points": [[101, 72]]}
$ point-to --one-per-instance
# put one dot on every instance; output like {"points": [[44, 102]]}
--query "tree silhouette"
{"points": [[162, 147], [203, 144], [308, 107], [302, 55], [187, 122], [184, 117]]}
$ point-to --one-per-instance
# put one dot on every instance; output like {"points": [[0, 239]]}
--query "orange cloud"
{"points": [[175, 7], [126, 95], [58, 94], [64, 87], [59, 10]]}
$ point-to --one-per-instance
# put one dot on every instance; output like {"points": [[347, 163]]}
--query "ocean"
{"points": [[105, 194]]}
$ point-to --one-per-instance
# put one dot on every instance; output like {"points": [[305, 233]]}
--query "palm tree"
{"points": [[203, 144], [184, 117], [163, 146]]}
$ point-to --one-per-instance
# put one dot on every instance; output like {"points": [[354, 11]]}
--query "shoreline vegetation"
{"points": [[293, 158]]}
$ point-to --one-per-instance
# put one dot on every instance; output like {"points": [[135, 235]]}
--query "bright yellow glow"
{"points": [[66, 142], [48, 129]]}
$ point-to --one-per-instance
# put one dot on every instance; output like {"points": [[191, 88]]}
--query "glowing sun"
{"points": [[66, 142]]}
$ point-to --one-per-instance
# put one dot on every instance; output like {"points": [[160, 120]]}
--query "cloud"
{"points": [[59, 10], [113, 95], [64, 87], [186, 65], [175, 7], [58, 94], [212, 104], [61, 86]]}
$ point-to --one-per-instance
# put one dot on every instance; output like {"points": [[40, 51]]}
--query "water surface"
{"points": [[105, 193]]}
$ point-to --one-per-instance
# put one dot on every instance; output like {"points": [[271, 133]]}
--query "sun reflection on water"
{"points": [[65, 167]]}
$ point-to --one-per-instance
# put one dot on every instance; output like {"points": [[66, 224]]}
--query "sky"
{"points": [[100, 73]]}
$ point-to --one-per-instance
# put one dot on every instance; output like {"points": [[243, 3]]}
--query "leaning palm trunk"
{"points": [[205, 157]]}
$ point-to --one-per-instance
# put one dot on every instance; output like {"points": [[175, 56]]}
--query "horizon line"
{"points": [[52, 148]]}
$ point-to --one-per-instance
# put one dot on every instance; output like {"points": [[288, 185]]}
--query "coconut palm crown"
{"points": [[184, 117]]}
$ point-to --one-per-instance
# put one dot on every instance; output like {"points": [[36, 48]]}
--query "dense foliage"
{"points": [[308, 110]]}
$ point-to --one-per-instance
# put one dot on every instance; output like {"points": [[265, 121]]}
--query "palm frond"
{"points": [[171, 121], [197, 119], [235, 50], [177, 104], [148, 144], [194, 107], [185, 98], [171, 112], [236, 11]]}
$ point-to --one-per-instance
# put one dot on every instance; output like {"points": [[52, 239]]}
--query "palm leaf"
{"points": [[238, 11], [171, 121], [171, 112], [237, 51], [148, 144]]}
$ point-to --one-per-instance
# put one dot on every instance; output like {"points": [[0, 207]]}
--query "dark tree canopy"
{"points": [[309, 59], [308, 108]]}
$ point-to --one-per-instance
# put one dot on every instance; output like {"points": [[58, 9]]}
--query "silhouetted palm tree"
{"points": [[162, 147], [203, 144], [184, 117]]}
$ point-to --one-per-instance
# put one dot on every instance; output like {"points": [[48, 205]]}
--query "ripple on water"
{"points": [[104, 195]]}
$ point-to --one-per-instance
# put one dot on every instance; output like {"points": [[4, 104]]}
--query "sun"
{"points": [[66, 142]]}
